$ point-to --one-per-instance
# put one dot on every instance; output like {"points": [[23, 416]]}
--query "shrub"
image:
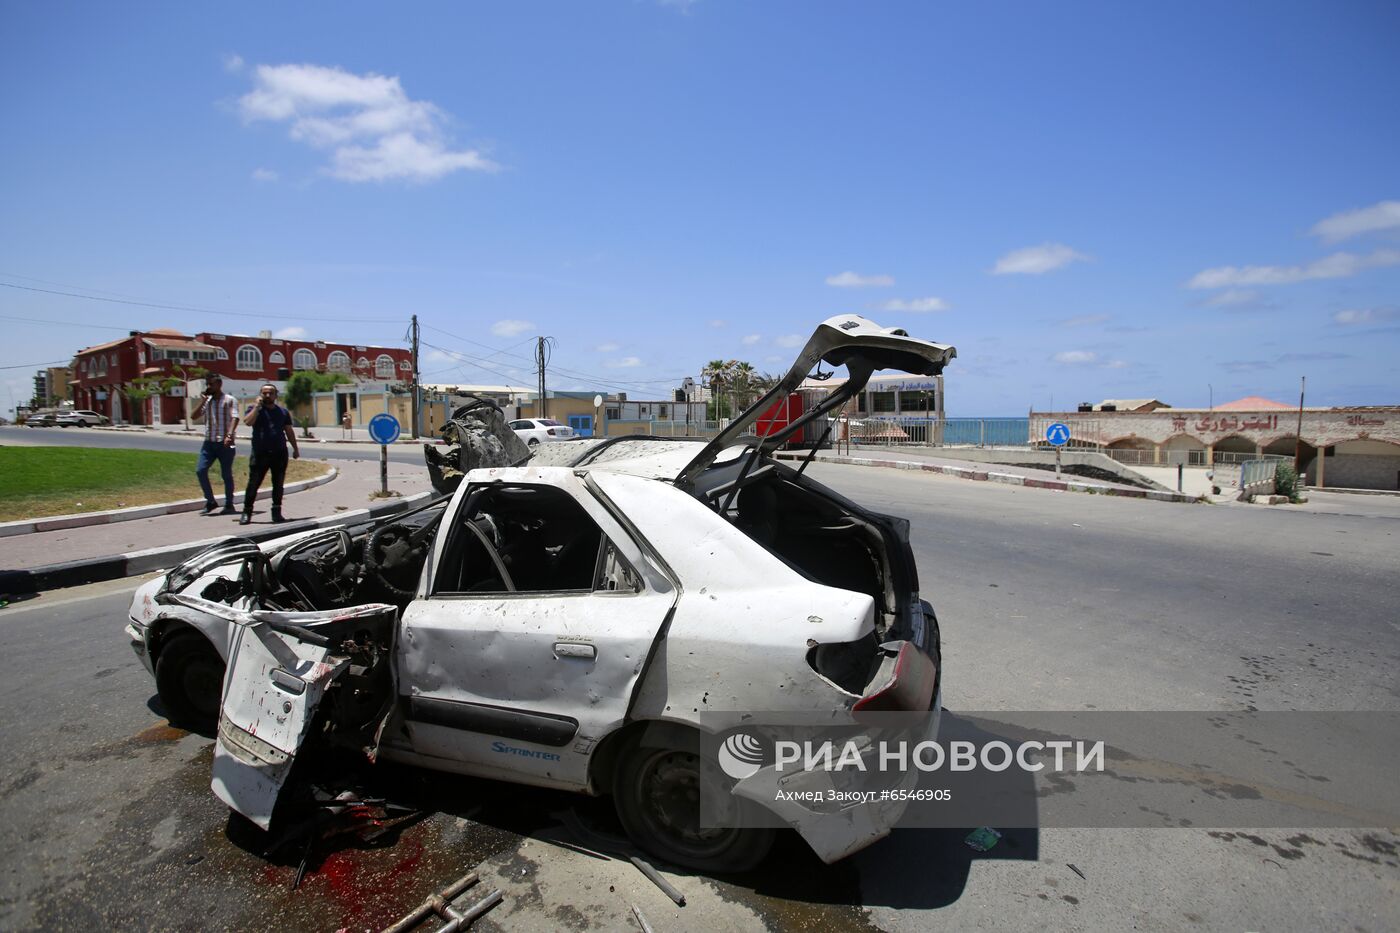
{"points": [[1286, 481]]}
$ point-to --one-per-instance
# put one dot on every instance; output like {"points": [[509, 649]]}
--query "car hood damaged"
{"points": [[478, 436]]}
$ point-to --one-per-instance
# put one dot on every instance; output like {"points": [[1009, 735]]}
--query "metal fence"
{"points": [[893, 431], [1258, 472]]}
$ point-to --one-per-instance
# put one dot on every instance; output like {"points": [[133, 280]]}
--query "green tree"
{"points": [[304, 383], [717, 374], [136, 392], [180, 374]]}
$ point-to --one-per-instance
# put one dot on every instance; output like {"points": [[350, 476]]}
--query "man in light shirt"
{"points": [[220, 413]]}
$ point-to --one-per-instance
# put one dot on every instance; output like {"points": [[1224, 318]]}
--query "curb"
{"points": [[83, 519], [1010, 479], [138, 428], [116, 566]]}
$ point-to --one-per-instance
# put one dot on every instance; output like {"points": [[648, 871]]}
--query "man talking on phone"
{"points": [[220, 413], [272, 431]]}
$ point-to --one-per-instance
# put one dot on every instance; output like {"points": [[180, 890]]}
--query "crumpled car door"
{"points": [[280, 666]]}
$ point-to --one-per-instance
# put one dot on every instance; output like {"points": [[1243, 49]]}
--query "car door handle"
{"points": [[573, 649], [288, 682]]}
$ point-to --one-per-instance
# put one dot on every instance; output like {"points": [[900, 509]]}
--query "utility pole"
{"points": [[414, 387], [541, 358], [1298, 441]]}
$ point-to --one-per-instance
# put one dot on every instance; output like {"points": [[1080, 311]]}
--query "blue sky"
{"points": [[1088, 200]]}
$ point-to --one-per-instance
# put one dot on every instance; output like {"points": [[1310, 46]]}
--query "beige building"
{"points": [[1346, 447]]}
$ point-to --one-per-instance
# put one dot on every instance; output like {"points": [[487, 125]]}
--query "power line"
{"points": [[471, 361], [32, 365], [195, 310], [35, 320], [602, 381]]}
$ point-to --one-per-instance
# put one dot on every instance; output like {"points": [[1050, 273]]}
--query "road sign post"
{"points": [[1057, 434], [383, 430]]}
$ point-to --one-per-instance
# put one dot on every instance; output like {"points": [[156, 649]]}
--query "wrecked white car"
{"points": [[566, 622]]}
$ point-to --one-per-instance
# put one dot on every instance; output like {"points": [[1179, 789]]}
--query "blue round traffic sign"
{"points": [[1058, 434], [383, 429]]}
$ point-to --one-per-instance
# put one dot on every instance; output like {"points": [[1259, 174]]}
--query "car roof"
{"points": [[648, 458]]}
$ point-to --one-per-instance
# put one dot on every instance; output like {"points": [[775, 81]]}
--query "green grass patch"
{"points": [[37, 482]]}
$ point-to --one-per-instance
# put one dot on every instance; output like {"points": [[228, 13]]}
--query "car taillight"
{"points": [[904, 682], [552, 432]]}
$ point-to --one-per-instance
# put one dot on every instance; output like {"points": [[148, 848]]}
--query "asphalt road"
{"points": [[1047, 601]]}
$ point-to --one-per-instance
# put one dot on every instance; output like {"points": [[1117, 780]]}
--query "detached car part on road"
{"points": [[574, 622]]}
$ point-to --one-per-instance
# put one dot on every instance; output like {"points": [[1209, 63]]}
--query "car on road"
{"points": [[535, 431], [581, 618], [45, 420], [81, 419]]}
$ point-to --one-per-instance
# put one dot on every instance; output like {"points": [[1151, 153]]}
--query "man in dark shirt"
{"points": [[272, 430]]}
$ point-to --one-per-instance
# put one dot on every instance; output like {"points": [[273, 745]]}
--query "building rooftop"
{"points": [[1132, 404], [1254, 403]]}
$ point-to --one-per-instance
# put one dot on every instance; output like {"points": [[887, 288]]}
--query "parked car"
{"points": [[537, 430], [81, 419], [573, 619], [45, 420]]}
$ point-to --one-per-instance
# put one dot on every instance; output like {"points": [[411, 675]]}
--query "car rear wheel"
{"points": [[190, 679], [534, 442], [657, 795]]}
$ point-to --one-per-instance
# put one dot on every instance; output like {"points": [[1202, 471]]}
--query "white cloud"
{"points": [[290, 333], [917, 305], [789, 340], [607, 348], [719, 323], [511, 328], [1384, 215], [437, 356], [233, 63], [1116, 364], [627, 362], [855, 280], [1367, 316], [1336, 266], [372, 129], [1037, 260], [1075, 357], [264, 174], [751, 339], [1084, 320]]}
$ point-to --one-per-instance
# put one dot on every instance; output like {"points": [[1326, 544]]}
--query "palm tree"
{"points": [[717, 374], [743, 377]]}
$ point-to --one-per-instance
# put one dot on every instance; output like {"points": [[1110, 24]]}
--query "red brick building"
{"points": [[101, 374]]}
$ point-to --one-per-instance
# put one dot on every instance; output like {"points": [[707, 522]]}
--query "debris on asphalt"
{"points": [[641, 919], [1075, 868], [656, 879], [983, 839], [440, 904]]}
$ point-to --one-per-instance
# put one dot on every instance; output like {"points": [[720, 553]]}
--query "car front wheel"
{"points": [[657, 795], [190, 679]]}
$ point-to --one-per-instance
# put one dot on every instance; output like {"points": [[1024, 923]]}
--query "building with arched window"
{"points": [[250, 359], [1354, 447], [101, 374]]}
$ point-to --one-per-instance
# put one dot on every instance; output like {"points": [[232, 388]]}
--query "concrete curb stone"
{"points": [[112, 516], [116, 566], [1010, 479]]}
